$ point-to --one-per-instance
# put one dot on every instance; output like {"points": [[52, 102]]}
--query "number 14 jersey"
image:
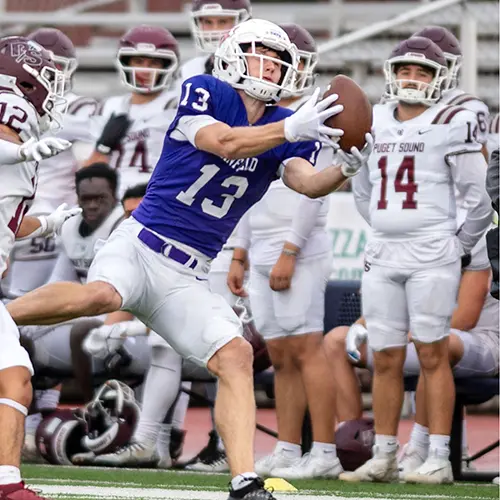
{"points": [[407, 191]]}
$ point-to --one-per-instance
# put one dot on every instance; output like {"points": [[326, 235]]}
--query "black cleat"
{"points": [[253, 491]]}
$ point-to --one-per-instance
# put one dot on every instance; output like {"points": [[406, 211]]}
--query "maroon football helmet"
{"points": [[61, 49], [111, 418], [208, 40], [59, 437], [450, 46], [149, 42], [418, 51], [354, 440], [28, 70], [308, 55]]}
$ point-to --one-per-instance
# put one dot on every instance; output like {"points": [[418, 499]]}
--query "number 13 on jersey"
{"points": [[208, 172]]}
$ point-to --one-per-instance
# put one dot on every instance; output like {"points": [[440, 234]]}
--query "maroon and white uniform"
{"points": [[142, 145], [457, 97], [17, 190], [407, 194], [56, 182]]}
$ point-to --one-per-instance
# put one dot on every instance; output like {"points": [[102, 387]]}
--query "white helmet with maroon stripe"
{"points": [[207, 38]]}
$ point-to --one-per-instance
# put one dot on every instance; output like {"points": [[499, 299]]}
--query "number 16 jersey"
{"points": [[197, 198]]}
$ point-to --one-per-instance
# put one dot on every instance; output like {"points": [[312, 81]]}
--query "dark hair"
{"points": [[99, 169], [138, 191]]}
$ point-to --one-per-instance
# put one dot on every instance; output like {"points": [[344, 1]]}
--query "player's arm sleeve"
{"points": [[468, 169], [243, 232], [362, 191], [307, 210], [63, 270]]}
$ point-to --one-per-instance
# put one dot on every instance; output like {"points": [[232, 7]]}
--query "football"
{"points": [[356, 119]]}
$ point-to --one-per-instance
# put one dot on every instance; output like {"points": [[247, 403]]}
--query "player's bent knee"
{"points": [[334, 342], [15, 384], [101, 298], [235, 356]]}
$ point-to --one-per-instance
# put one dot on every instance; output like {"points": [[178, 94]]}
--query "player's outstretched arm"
{"points": [[302, 177], [239, 142], [306, 124], [45, 225]]}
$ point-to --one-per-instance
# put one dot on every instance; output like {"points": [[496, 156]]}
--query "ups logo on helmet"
{"points": [[28, 53]]}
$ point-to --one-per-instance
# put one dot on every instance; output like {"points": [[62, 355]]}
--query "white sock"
{"points": [[181, 407], [163, 441], [419, 438], [147, 432], [440, 445], [47, 400], [327, 450], [32, 422], [388, 445], [242, 480], [9, 474], [289, 449]]}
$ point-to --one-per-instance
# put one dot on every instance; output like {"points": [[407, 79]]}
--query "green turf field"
{"points": [[81, 483]]}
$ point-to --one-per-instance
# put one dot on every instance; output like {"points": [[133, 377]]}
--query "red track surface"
{"points": [[481, 429]]}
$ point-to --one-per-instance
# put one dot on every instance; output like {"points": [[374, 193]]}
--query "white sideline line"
{"points": [[121, 493]]}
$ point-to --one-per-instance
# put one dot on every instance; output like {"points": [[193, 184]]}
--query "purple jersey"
{"points": [[197, 198]]}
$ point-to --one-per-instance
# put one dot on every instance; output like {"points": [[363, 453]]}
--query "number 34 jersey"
{"points": [[407, 190], [197, 198]]}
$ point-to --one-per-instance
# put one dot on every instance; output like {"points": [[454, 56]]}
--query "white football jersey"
{"points": [[193, 67], [81, 250], [270, 220], [141, 148], [457, 97], [493, 135], [408, 180], [17, 182], [56, 183]]}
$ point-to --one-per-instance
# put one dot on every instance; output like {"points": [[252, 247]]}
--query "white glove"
{"points": [[52, 223], [107, 339], [356, 336], [350, 163], [306, 124], [42, 149]]}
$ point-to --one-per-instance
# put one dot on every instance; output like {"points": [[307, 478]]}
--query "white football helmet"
{"points": [[423, 52], [231, 59]]}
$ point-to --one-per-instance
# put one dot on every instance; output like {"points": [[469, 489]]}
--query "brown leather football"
{"points": [[356, 119]]}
